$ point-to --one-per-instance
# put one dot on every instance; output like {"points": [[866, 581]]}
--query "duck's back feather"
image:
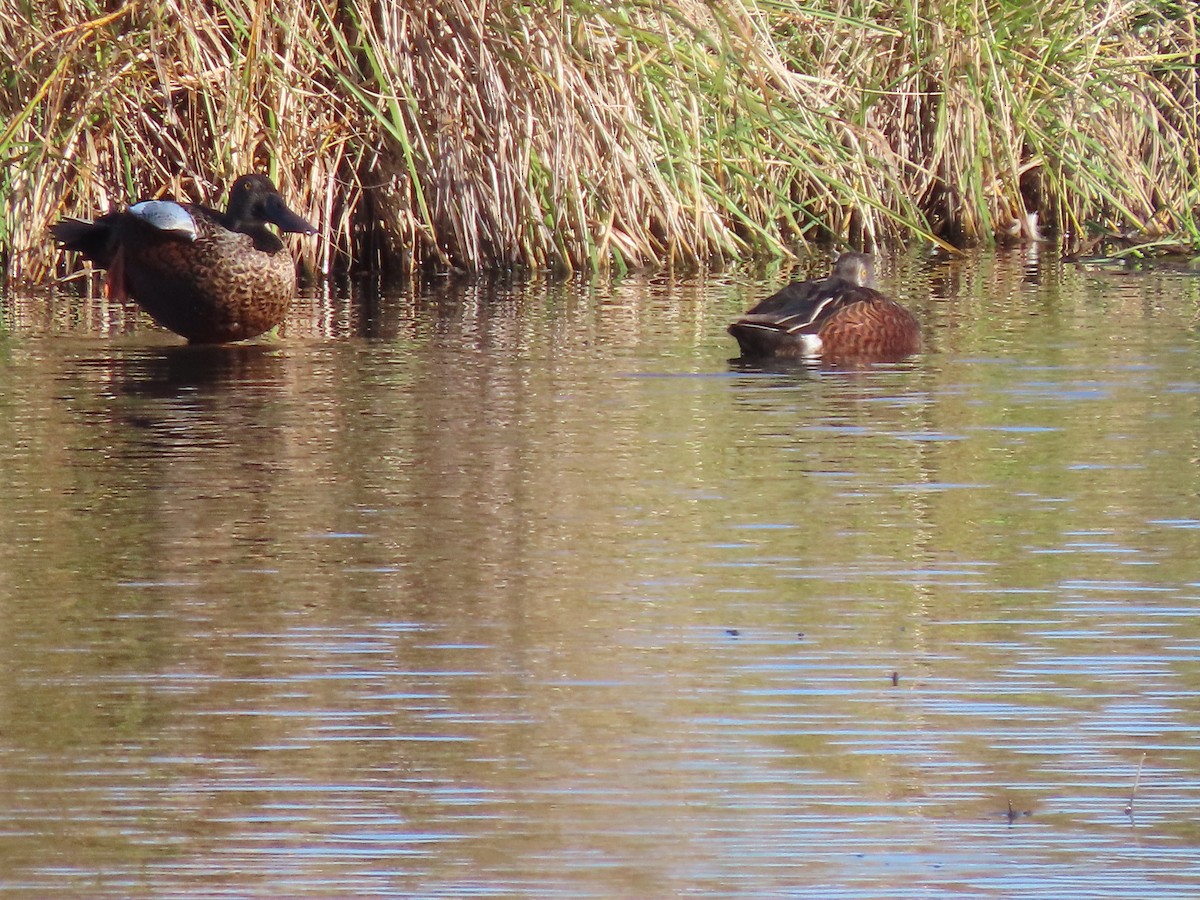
{"points": [[804, 306]]}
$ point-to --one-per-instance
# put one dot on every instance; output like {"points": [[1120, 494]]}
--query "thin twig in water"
{"points": [[1136, 780]]}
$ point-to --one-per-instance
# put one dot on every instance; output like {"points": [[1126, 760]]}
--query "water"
{"points": [[525, 591]]}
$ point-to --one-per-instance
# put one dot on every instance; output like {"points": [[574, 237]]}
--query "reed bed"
{"points": [[430, 135]]}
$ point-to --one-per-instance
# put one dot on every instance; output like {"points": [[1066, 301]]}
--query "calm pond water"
{"points": [[526, 591]]}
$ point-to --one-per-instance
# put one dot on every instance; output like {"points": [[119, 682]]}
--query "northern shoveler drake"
{"points": [[208, 276], [839, 318]]}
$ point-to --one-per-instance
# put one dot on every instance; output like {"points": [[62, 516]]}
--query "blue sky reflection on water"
{"points": [[525, 590]]}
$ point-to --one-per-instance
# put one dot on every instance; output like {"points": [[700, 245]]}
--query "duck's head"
{"points": [[254, 201], [857, 268]]}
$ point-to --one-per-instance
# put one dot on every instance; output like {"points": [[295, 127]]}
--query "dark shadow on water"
{"points": [[167, 371], [797, 366], [808, 367], [150, 407], [150, 399]]}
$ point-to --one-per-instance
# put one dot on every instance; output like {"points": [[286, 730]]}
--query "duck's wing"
{"points": [[166, 217], [804, 306], [100, 240]]}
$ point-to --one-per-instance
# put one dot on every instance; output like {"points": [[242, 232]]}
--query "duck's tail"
{"points": [[770, 338], [88, 238]]}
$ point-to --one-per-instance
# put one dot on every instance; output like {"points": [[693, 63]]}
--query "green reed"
{"points": [[458, 134]]}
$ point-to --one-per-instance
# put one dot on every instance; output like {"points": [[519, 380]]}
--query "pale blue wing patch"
{"points": [[166, 215]]}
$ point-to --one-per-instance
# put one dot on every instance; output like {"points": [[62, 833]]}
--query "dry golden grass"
{"points": [[458, 133]]}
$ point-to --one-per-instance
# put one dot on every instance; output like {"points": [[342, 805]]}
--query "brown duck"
{"points": [[208, 276], [839, 318]]}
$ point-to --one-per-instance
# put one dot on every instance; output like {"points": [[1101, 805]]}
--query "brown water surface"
{"points": [[526, 591]]}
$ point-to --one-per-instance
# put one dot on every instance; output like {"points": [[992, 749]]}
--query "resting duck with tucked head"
{"points": [[839, 318], [209, 276]]}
